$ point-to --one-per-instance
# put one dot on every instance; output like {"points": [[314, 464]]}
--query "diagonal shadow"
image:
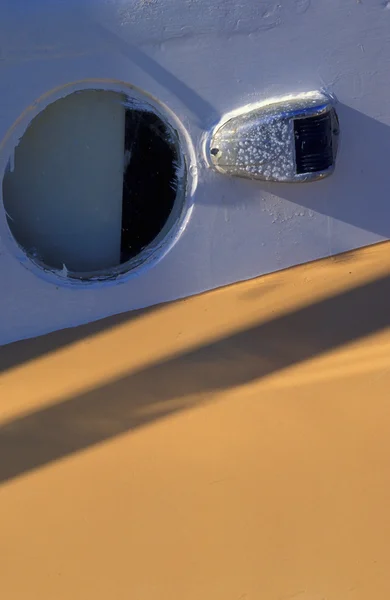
{"points": [[17, 353], [32, 441], [356, 193], [203, 111]]}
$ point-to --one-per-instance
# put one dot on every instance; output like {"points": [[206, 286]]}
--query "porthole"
{"points": [[96, 181]]}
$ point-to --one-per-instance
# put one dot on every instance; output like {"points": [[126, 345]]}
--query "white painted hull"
{"points": [[201, 60]]}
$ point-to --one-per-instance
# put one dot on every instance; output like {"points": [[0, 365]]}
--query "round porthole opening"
{"points": [[95, 185]]}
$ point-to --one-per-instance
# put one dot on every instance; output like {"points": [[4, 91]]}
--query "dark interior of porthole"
{"points": [[150, 167], [149, 181]]}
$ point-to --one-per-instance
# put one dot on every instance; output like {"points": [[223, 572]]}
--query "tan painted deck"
{"points": [[233, 446]]}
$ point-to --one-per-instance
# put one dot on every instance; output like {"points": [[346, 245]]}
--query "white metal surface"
{"points": [[201, 59]]}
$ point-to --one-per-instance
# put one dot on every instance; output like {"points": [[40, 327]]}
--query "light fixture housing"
{"points": [[291, 139]]}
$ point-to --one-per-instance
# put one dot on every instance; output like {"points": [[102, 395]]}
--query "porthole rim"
{"points": [[162, 244]]}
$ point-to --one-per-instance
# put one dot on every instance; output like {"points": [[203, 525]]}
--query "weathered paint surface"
{"points": [[240, 452], [201, 59]]}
